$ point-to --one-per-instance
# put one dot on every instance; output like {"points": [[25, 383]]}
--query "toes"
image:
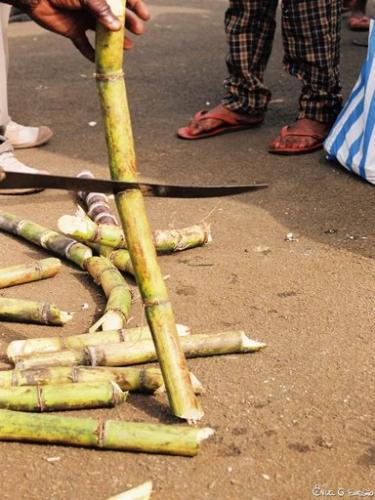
{"points": [[197, 128]]}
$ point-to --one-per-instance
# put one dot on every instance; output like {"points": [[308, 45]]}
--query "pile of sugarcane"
{"points": [[97, 368], [30, 311]]}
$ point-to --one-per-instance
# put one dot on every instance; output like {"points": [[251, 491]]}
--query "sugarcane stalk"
{"points": [[177, 240], [18, 348], [146, 380], [130, 204], [98, 210], [82, 228], [61, 396], [61, 245], [141, 492], [131, 353], [109, 235], [97, 204], [119, 258], [117, 311], [26, 273], [29, 311], [107, 434]]}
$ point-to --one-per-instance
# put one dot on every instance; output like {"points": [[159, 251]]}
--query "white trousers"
{"points": [[4, 20]]}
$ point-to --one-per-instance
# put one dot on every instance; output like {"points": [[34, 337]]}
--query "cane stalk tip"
{"points": [[205, 433], [182, 330], [79, 212], [66, 316], [85, 173], [250, 345], [192, 416], [197, 384], [142, 492], [209, 233], [112, 320], [64, 222], [118, 394], [15, 349]]}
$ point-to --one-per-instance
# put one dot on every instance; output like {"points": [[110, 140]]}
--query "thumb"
{"points": [[103, 14]]}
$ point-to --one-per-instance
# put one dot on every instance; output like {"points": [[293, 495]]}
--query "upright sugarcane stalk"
{"points": [[130, 204], [107, 434], [117, 311], [26, 273], [61, 245]]}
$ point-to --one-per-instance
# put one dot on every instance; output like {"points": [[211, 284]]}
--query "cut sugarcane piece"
{"points": [[61, 245], [29, 311], [98, 210], [177, 240], [130, 205], [142, 492], [131, 353], [85, 229], [117, 311], [26, 273], [107, 434], [97, 204], [146, 380], [195, 382], [61, 396], [119, 258], [19, 348], [167, 240]]}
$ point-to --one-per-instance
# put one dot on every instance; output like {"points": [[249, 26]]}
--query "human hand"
{"points": [[73, 18]]}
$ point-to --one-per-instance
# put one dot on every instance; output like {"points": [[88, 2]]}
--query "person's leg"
{"points": [[311, 34], [250, 27], [347, 5], [4, 18], [19, 135], [359, 6], [358, 21]]}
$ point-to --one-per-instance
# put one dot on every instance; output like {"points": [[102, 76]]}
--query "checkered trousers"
{"points": [[311, 39]]}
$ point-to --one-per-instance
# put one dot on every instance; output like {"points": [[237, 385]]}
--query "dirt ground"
{"points": [[294, 417]]}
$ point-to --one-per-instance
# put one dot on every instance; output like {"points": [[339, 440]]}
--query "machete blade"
{"points": [[18, 180]]}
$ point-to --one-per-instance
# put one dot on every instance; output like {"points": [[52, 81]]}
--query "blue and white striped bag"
{"points": [[352, 138]]}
